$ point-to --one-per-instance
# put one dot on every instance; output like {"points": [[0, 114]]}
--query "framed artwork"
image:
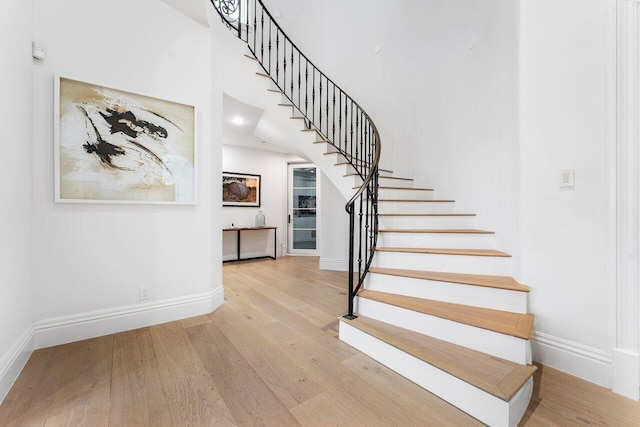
{"points": [[113, 146], [240, 189]]}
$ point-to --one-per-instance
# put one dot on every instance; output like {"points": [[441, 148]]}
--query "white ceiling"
{"points": [[194, 9], [258, 130]]}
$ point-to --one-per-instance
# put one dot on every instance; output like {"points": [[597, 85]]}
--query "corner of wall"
{"points": [[12, 363]]}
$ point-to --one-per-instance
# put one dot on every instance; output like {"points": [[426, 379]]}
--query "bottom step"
{"points": [[495, 391]]}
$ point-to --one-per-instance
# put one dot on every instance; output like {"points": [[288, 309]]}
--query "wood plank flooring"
{"points": [[269, 356]]}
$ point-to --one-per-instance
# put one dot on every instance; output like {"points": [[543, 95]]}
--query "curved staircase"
{"points": [[430, 295]]}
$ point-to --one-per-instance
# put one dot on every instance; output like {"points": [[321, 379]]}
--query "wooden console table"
{"points": [[239, 229]]}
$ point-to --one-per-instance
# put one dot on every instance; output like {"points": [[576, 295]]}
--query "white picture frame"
{"points": [[118, 146]]}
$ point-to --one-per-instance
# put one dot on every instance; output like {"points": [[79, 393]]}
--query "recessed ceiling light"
{"points": [[237, 120]]}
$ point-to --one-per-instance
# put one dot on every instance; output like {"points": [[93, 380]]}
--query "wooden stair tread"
{"points": [[382, 187], [436, 231], [395, 177], [275, 90], [263, 75], [298, 117], [484, 280], [383, 176], [504, 322], [251, 57], [364, 166], [416, 201], [419, 214], [498, 377], [286, 105], [439, 251]]}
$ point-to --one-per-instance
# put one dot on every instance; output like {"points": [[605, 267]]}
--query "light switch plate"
{"points": [[567, 178]]}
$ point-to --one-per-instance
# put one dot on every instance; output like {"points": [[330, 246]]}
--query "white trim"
{"points": [[334, 264], [62, 330], [579, 360], [626, 373], [14, 360], [627, 294]]}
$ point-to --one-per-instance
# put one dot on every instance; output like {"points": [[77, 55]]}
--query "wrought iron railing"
{"points": [[328, 110]]}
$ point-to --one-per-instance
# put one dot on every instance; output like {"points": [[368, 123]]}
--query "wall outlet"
{"points": [[144, 293]]}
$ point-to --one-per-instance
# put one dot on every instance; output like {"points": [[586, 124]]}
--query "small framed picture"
{"points": [[240, 189]]}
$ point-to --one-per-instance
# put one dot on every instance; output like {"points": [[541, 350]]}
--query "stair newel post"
{"points": [[350, 314]]}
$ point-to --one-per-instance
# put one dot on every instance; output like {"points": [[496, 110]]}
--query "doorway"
{"points": [[303, 217]]}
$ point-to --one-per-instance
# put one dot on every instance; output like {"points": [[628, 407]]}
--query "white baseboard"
{"points": [[83, 326], [626, 373], [334, 264], [581, 361], [13, 361]]}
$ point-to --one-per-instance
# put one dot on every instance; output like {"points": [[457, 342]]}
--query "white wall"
{"points": [[271, 167], [334, 220], [91, 259], [16, 105], [567, 121]]}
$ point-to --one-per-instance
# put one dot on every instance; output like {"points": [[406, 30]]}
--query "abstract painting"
{"points": [[240, 189], [114, 146]]}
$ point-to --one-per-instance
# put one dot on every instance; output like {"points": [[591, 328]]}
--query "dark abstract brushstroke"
{"points": [[101, 148], [162, 117], [127, 123], [152, 154]]}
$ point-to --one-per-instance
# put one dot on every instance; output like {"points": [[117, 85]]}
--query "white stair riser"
{"points": [[405, 194], [416, 207], [437, 240], [427, 222], [457, 293], [385, 182], [390, 182], [500, 266], [496, 344], [468, 398]]}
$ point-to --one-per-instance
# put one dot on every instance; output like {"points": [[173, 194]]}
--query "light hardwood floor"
{"points": [[269, 356]]}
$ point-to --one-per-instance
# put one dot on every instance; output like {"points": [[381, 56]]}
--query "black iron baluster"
{"points": [[340, 121], [262, 38], [284, 65], [299, 77], [313, 93], [358, 150], [292, 72], [333, 110], [269, 46], [327, 103], [306, 87], [346, 125], [277, 55], [255, 26], [351, 135], [320, 104]]}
